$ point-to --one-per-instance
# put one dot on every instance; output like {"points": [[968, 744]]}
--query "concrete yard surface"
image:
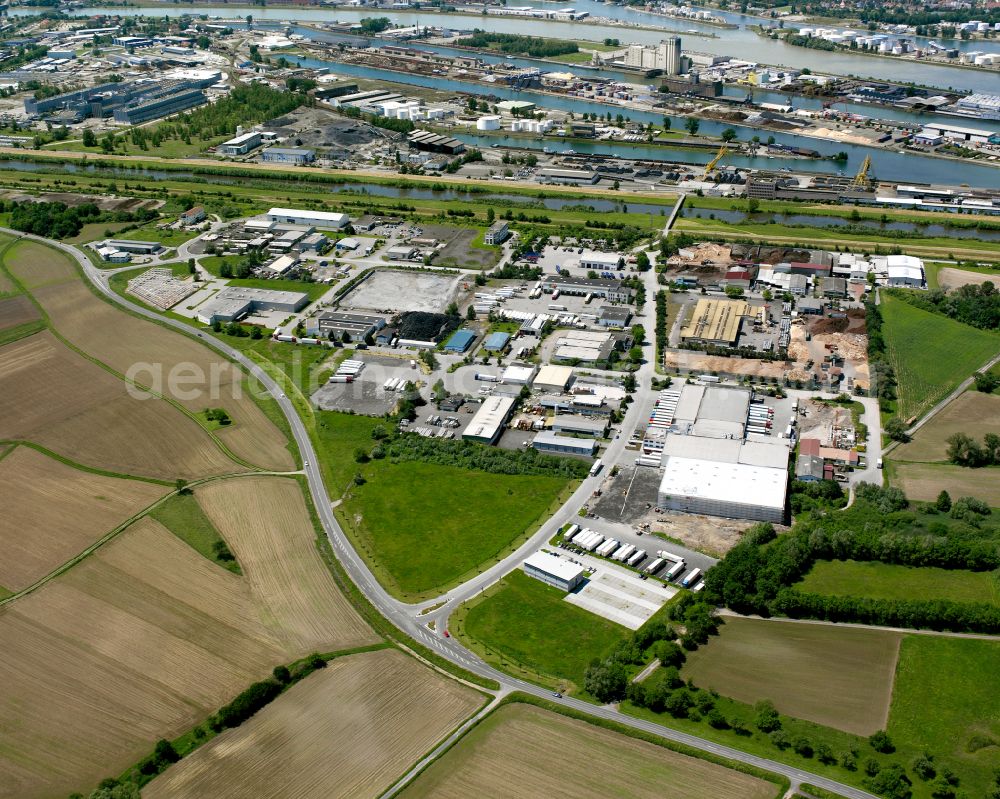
{"points": [[619, 595], [395, 291]]}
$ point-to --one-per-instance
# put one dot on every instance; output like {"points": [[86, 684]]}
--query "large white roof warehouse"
{"points": [[296, 216], [730, 490]]}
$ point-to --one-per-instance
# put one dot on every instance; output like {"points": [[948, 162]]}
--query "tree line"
{"points": [[61, 221], [974, 305], [534, 46], [964, 450]]}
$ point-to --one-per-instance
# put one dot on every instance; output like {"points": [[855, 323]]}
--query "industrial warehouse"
{"points": [[717, 456]]}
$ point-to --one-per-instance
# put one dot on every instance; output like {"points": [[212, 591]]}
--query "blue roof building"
{"points": [[460, 341], [496, 342]]}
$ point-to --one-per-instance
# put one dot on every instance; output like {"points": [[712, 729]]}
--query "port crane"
{"points": [[860, 181], [723, 151]]}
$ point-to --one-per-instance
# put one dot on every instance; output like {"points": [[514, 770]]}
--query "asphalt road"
{"points": [[402, 615]]}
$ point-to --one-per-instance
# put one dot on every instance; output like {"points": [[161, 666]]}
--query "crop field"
{"points": [[973, 413], [531, 753], [153, 354], [888, 581], [924, 481], [349, 730], [527, 623], [16, 311], [947, 701], [137, 642], [298, 597], [931, 353], [397, 518], [54, 397], [52, 512], [837, 676]]}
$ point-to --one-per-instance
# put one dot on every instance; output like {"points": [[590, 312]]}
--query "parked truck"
{"points": [[691, 578]]}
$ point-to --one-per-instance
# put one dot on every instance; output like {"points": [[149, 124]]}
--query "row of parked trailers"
{"points": [[591, 541], [348, 371], [662, 416], [395, 384], [760, 418]]}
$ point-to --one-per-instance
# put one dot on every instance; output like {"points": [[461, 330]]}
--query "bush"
{"points": [[246, 704], [605, 681], [881, 742]]}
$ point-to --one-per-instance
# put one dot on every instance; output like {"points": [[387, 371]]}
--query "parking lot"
{"points": [[618, 594]]}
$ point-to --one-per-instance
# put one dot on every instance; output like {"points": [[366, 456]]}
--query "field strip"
{"points": [[904, 630], [71, 346], [110, 536], [81, 466]]}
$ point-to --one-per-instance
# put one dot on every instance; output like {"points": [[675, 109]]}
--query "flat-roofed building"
{"points": [[498, 233], [488, 422], [600, 260], [553, 570], [611, 290], [135, 247], [566, 176], [729, 490], [593, 426], [518, 374], [553, 378], [241, 145], [232, 303], [614, 316], [320, 219], [288, 155], [357, 325], [583, 347], [555, 444]]}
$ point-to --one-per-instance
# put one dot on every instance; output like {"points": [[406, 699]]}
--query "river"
{"points": [[742, 42]]}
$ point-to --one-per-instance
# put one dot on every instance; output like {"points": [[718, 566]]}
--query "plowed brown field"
{"points": [[267, 526], [56, 398], [530, 753], [52, 512], [16, 311], [126, 343], [349, 730], [140, 641]]}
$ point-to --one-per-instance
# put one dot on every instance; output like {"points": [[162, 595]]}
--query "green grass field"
{"points": [[149, 232], [930, 353], [183, 516], [523, 625], [837, 676], [424, 527], [887, 581], [947, 701]]}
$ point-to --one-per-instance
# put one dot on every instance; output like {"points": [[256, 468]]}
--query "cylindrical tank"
{"points": [[488, 123]]}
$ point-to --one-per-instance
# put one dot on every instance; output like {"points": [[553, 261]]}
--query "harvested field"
{"points": [[168, 362], [299, 599], [52, 512], [34, 266], [53, 397], [973, 413], [6, 284], [349, 730], [924, 481], [16, 311], [531, 753], [838, 676], [950, 278], [138, 642]]}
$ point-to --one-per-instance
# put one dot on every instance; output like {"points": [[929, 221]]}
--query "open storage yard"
{"points": [[973, 413], [393, 291], [349, 730], [151, 353], [930, 353], [837, 676], [53, 397], [525, 751], [52, 512], [889, 581]]}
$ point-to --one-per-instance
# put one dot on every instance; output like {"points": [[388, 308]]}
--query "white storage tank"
{"points": [[488, 123]]}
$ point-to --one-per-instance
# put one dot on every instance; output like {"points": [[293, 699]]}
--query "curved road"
{"points": [[403, 615]]}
